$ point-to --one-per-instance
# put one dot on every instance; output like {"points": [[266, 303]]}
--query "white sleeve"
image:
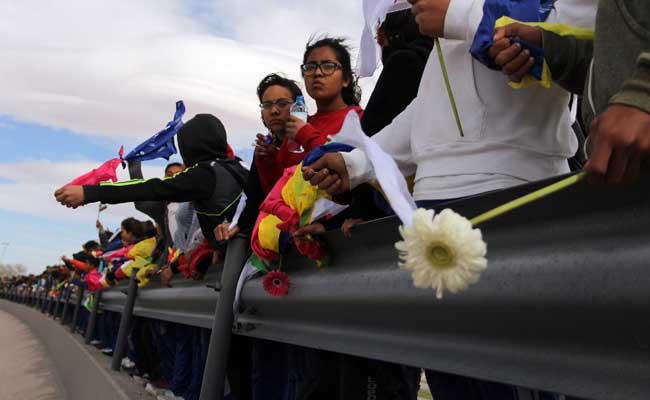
{"points": [[580, 13], [394, 139], [462, 19]]}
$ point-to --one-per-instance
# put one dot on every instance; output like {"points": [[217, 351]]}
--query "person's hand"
{"points": [[150, 272], [71, 196], [348, 224], [166, 275], [328, 173], [315, 228], [620, 139], [430, 16], [514, 60], [294, 125], [263, 149], [197, 275], [222, 232]]}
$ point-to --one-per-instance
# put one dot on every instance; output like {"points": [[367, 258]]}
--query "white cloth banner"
{"points": [[386, 171]]}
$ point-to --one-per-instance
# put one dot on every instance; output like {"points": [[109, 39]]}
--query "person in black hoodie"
{"points": [[212, 182], [404, 54]]}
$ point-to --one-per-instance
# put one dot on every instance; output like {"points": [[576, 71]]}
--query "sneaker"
{"points": [[140, 381], [127, 364], [155, 392], [107, 351], [95, 342], [169, 397]]}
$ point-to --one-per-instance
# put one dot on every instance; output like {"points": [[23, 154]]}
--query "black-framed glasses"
{"points": [[326, 67], [281, 104]]}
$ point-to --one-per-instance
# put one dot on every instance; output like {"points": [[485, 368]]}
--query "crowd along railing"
{"points": [[562, 307]]}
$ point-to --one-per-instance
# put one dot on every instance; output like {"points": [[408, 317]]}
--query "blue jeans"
{"points": [[164, 340], [200, 344], [270, 373], [182, 360]]}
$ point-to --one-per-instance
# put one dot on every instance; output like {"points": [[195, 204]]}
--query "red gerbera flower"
{"points": [[276, 283]]}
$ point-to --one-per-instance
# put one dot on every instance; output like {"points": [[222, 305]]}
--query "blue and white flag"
{"points": [[160, 145]]}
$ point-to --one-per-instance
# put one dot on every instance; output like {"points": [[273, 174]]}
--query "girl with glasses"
{"points": [[329, 80]]}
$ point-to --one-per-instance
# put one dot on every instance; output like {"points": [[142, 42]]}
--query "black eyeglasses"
{"points": [[326, 67], [281, 104]]}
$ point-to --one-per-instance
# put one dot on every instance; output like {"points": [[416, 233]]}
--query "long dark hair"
{"points": [[351, 94]]}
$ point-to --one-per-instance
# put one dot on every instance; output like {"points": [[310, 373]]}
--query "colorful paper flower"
{"points": [[276, 283], [445, 252]]}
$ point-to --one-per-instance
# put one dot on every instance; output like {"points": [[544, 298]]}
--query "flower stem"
{"points": [[529, 198], [450, 93]]}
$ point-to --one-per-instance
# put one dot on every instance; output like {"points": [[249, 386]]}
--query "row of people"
{"points": [[501, 138]]}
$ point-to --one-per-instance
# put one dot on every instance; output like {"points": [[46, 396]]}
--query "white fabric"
{"points": [[247, 273], [374, 12], [511, 136], [188, 235], [325, 208], [239, 210], [172, 225], [385, 169]]}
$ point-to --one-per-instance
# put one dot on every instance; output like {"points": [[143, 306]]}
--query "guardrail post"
{"points": [[90, 329], [66, 304], [50, 304], [58, 304], [125, 322], [214, 374], [77, 307], [44, 302]]}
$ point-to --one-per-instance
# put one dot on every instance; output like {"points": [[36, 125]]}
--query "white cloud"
{"points": [[116, 68], [32, 186], [48, 229]]}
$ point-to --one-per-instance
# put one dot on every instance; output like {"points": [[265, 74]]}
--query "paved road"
{"points": [[26, 369], [41, 360]]}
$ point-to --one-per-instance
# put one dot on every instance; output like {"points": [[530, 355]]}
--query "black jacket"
{"points": [[397, 85], [212, 183]]}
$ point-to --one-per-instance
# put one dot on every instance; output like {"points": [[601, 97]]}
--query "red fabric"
{"points": [[119, 253], [269, 170], [261, 252], [104, 172], [229, 152], [274, 204], [78, 265], [119, 274], [93, 279], [311, 249], [312, 135], [198, 256], [322, 125]]}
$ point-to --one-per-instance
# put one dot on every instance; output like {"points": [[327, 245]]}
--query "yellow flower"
{"points": [[445, 252]]}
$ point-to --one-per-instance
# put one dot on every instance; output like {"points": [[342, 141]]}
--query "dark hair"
{"points": [[278, 80], [133, 226], [173, 164], [401, 28], [149, 229], [91, 245], [351, 94]]}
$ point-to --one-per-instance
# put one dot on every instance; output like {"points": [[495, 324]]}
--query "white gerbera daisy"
{"points": [[445, 252]]}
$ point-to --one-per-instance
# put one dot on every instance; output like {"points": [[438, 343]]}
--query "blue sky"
{"points": [[91, 76]]}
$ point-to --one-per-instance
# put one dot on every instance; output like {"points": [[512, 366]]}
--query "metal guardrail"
{"points": [[186, 302], [564, 305]]}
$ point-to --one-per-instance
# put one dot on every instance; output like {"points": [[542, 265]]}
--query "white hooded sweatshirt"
{"points": [[510, 136]]}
